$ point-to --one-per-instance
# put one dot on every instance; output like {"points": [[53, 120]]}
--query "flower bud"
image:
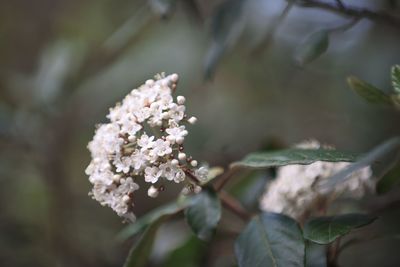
{"points": [[174, 77], [149, 82], [152, 192], [193, 163], [192, 120], [180, 100], [181, 156], [126, 198], [180, 140]]}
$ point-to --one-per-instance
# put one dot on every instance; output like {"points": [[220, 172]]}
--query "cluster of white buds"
{"points": [[143, 140], [296, 191]]}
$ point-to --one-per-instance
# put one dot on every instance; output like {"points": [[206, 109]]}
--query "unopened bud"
{"points": [[152, 192], [181, 156], [193, 163], [180, 100], [192, 120]]}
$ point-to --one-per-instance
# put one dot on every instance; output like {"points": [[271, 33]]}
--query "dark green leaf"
{"points": [[396, 78], [315, 255], [139, 253], [389, 181], [260, 160], [204, 213], [313, 47], [270, 239], [369, 92], [187, 255], [149, 218], [325, 230]]}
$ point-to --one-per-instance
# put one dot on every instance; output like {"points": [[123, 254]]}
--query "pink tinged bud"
{"points": [[174, 77]]}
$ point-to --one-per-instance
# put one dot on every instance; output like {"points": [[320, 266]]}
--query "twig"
{"points": [[233, 205], [333, 253], [193, 177], [351, 11], [224, 178], [227, 200]]}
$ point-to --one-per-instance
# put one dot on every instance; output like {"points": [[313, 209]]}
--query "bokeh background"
{"points": [[64, 63]]}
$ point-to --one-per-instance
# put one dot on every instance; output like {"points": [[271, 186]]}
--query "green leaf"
{"points": [[369, 92], [187, 255], [325, 230], [315, 255], [149, 218], [261, 160], [396, 78], [204, 213], [389, 181], [139, 253], [312, 47], [270, 239]]}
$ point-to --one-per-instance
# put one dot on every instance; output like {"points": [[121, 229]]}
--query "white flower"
{"points": [[151, 174], [295, 191], [146, 142], [122, 164], [176, 134], [168, 170], [176, 112], [179, 176], [161, 148], [139, 160], [124, 150]]}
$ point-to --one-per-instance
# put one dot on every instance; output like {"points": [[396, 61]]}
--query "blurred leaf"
{"points": [[139, 253], [368, 91], [396, 78], [226, 27], [204, 213], [187, 255], [315, 255], [389, 181], [261, 160], [270, 239], [149, 218], [395, 100], [162, 8], [130, 29], [251, 189], [325, 230], [390, 146], [312, 47]]}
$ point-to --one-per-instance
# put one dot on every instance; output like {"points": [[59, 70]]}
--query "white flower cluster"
{"points": [[143, 140], [295, 191]]}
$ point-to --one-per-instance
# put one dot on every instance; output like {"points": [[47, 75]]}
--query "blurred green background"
{"points": [[64, 63]]}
